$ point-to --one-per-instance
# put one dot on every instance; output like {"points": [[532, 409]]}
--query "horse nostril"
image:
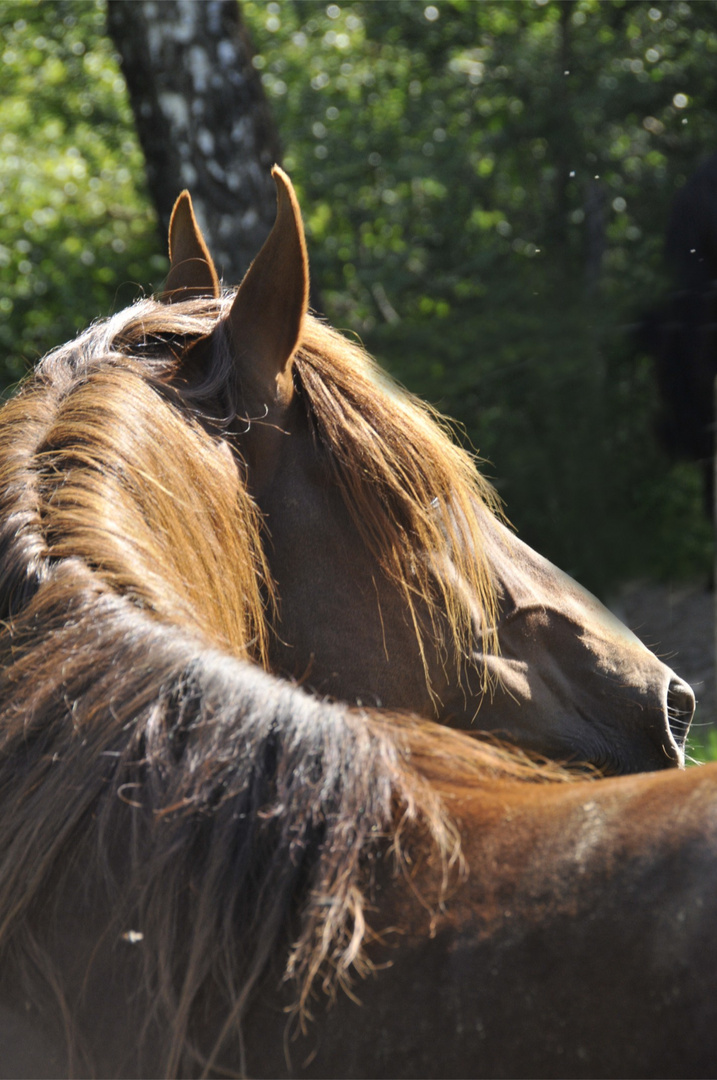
{"points": [[680, 709]]}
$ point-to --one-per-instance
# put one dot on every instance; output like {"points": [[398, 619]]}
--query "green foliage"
{"points": [[76, 228], [703, 746], [486, 188]]}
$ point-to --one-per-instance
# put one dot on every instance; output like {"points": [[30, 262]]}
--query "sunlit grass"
{"points": [[702, 746]]}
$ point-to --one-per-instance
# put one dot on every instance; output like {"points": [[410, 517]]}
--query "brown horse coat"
{"points": [[211, 485], [580, 945]]}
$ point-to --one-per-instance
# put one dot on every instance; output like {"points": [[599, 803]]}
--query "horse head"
{"points": [[398, 584]]}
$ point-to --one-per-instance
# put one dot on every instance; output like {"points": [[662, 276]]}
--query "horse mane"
{"points": [[96, 464], [136, 604], [413, 493]]}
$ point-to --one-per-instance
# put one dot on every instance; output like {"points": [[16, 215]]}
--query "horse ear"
{"points": [[267, 315], [191, 273]]}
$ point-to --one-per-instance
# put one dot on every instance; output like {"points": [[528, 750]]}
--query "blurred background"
{"points": [[486, 187]]}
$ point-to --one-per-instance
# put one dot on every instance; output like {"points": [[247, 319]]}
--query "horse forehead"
{"points": [[522, 575], [550, 603]]}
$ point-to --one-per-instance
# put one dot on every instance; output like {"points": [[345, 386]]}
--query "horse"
{"points": [[299, 742], [353, 479]]}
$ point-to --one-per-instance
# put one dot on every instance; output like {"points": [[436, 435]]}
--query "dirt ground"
{"points": [[678, 623]]}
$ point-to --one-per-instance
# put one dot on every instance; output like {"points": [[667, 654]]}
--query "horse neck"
{"points": [[343, 624]]}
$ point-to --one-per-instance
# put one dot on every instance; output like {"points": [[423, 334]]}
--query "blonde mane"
{"points": [[412, 492], [110, 471], [136, 608]]}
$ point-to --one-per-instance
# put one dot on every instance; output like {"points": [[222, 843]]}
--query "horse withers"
{"points": [[204, 500]]}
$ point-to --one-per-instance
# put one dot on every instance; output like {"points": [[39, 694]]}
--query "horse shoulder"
{"points": [[579, 941]]}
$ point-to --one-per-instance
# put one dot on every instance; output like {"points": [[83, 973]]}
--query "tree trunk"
{"points": [[202, 118]]}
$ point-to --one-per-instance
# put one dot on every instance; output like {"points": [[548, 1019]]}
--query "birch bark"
{"points": [[202, 118]]}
